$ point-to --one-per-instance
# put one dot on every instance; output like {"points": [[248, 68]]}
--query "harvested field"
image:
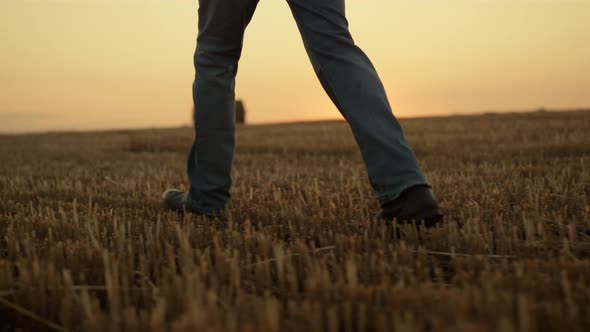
{"points": [[84, 244]]}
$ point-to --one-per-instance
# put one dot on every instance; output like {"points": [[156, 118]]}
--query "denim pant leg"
{"points": [[219, 46], [352, 83]]}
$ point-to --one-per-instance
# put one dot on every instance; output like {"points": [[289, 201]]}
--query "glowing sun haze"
{"points": [[82, 64]]}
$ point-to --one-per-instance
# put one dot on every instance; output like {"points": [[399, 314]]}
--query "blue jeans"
{"points": [[344, 71]]}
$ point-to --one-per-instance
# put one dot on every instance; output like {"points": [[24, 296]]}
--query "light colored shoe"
{"points": [[177, 200]]}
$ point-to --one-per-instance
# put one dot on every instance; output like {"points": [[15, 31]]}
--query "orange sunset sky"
{"points": [[97, 64]]}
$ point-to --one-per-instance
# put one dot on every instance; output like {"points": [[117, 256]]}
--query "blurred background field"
{"points": [[84, 244]]}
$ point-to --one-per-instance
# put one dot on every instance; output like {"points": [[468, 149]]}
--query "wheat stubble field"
{"points": [[85, 246]]}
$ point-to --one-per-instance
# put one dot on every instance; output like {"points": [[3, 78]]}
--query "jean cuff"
{"points": [[388, 196]]}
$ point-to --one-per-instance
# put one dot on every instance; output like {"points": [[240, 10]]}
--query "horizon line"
{"points": [[297, 121]]}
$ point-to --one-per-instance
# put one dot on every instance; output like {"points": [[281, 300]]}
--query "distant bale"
{"points": [[240, 112]]}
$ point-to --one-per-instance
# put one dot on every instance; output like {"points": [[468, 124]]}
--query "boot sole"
{"points": [[428, 219]]}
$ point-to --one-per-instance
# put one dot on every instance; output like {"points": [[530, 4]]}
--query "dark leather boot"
{"points": [[415, 204]]}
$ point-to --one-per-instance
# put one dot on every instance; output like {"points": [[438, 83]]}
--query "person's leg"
{"points": [[351, 81], [219, 46]]}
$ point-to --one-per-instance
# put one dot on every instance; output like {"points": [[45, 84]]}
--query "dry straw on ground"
{"points": [[84, 244]]}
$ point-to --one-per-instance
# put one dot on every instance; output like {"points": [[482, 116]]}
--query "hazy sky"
{"points": [[79, 64]]}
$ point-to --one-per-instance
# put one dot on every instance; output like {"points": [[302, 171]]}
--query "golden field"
{"points": [[84, 244]]}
